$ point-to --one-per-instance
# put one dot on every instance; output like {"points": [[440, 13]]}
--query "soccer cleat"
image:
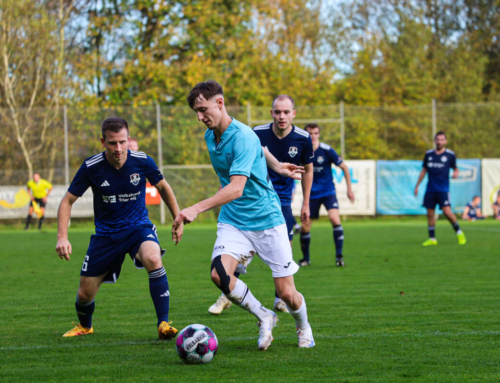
{"points": [[165, 331], [265, 332], [79, 330], [280, 306], [296, 228], [461, 239], [304, 262], [430, 242], [306, 339], [339, 262], [218, 307]]}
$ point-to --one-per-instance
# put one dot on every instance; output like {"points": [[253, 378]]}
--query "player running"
{"points": [[437, 163], [117, 177], [250, 221], [323, 193], [39, 190]]}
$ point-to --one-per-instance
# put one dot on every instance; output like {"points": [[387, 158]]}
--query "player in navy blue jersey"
{"points": [[472, 211], [117, 177], [496, 208], [323, 193], [437, 164]]}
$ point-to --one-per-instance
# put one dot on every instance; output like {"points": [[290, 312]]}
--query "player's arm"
{"points": [[307, 181], [283, 168], [420, 179], [49, 190], [347, 176], [455, 173], [465, 214], [63, 247], [30, 193], [168, 196], [230, 192]]}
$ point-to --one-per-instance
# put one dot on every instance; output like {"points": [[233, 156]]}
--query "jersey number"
{"points": [[85, 263]]}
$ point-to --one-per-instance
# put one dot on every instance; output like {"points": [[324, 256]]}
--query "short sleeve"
{"points": [[153, 174], [424, 162], [244, 153], [453, 161], [80, 183], [308, 152], [334, 157], [48, 185]]}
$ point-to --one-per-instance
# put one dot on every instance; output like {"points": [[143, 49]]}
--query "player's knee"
{"points": [[286, 296], [219, 275], [85, 295], [152, 261]]}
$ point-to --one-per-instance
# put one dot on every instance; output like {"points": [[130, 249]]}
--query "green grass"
{"points": [[397, 312]]}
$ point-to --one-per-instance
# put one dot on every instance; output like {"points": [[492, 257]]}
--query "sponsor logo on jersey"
{"points": [[135, 179], [109, 198], [321, 160], [105, 183], [293, 151]]}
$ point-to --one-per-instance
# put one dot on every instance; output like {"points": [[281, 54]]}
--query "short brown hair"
{"points": [[312, 125], [207, 89], [114, 124], [284, 97]]}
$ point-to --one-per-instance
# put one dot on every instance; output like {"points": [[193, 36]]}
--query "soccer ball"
{"points": [[196, 344]]}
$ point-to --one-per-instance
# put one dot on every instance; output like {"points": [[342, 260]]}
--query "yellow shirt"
{"points": [[40, 189]]}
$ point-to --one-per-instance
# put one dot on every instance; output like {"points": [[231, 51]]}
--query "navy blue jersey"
{"points": [[498, 206], [472, 210], [295, 148], [119, 194], [323, 184], [438, 170]]}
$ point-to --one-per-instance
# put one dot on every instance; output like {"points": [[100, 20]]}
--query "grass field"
{"points": [[397, 312]]}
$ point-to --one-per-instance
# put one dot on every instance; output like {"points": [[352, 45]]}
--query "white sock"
{"points": [[300, 315], [242, 297], [276, 300], [459, 231]]}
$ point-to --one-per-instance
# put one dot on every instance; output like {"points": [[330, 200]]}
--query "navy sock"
{"points": [[158, 287], [236, 274], [84, 312], [338, 238], [305, 241], [456, 227], [432, 231]]}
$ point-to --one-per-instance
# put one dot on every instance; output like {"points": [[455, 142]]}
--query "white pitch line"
{"points": [[246, 338], [481, 229]]}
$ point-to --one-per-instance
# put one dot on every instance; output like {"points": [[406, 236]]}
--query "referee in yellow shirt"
{"points": [[39, 190]]}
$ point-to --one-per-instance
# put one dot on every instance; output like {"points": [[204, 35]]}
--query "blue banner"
{"points": [[396, 182]]}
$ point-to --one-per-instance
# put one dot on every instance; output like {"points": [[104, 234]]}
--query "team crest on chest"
{"points": [[135, 179], [321, 160], [293, 151], [444, 159]]}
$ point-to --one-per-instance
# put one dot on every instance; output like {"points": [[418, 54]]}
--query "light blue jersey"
{"points": [[239, 152]]}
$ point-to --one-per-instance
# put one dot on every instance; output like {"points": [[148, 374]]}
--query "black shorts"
{"points": [[330, 202], [431, 199], [39, 201]]}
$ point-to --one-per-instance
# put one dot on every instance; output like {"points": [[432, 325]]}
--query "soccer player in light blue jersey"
{"points": [[117, 177], [250, 221], [437, 164]]}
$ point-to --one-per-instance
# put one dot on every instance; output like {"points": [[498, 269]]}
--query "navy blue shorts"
{"points": [[106, 253], [330, 202], [431, 199], [289, 219]]}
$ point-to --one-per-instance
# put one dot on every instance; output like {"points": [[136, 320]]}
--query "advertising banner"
{"points": [[363, 185], [491, 184], [396, 182]]}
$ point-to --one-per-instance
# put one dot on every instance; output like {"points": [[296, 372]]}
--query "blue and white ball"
{"points": [[196, 344]]}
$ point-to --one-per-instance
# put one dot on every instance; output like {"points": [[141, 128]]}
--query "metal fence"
{"points": [[57, 141]]}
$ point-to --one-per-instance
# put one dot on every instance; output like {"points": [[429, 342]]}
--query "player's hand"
{"points": [[44, 199], [350, 195], [304, 214], [291, 170], [186, 216], [63, 248], [177, 233], [416, 192]]}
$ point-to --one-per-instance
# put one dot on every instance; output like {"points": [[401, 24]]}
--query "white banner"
{"points": [[363, 186], [14, 202], [490, 177]]}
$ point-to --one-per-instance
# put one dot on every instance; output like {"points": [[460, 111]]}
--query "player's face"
{"points": [[283, 114], [36, 177], [116, 144], [477, 201], [440, 141], [314, 132], [209, 111]]}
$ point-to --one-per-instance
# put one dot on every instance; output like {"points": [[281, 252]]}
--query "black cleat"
{"points": [[340, 262], [304, 262]]}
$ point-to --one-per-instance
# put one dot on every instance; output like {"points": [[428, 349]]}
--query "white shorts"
{"points": [[271, 245]]}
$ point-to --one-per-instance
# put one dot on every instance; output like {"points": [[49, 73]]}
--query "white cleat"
{"points": [[218, 307], [265, 333], [280, 306], [306, 339]]}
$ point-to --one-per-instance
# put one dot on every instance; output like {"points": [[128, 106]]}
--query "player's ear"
{"points": [[102, 142], [294, 113]]}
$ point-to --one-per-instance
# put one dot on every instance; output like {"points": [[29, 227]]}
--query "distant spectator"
{"points": [[472, 211], [496, 207], [133, 144]]}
